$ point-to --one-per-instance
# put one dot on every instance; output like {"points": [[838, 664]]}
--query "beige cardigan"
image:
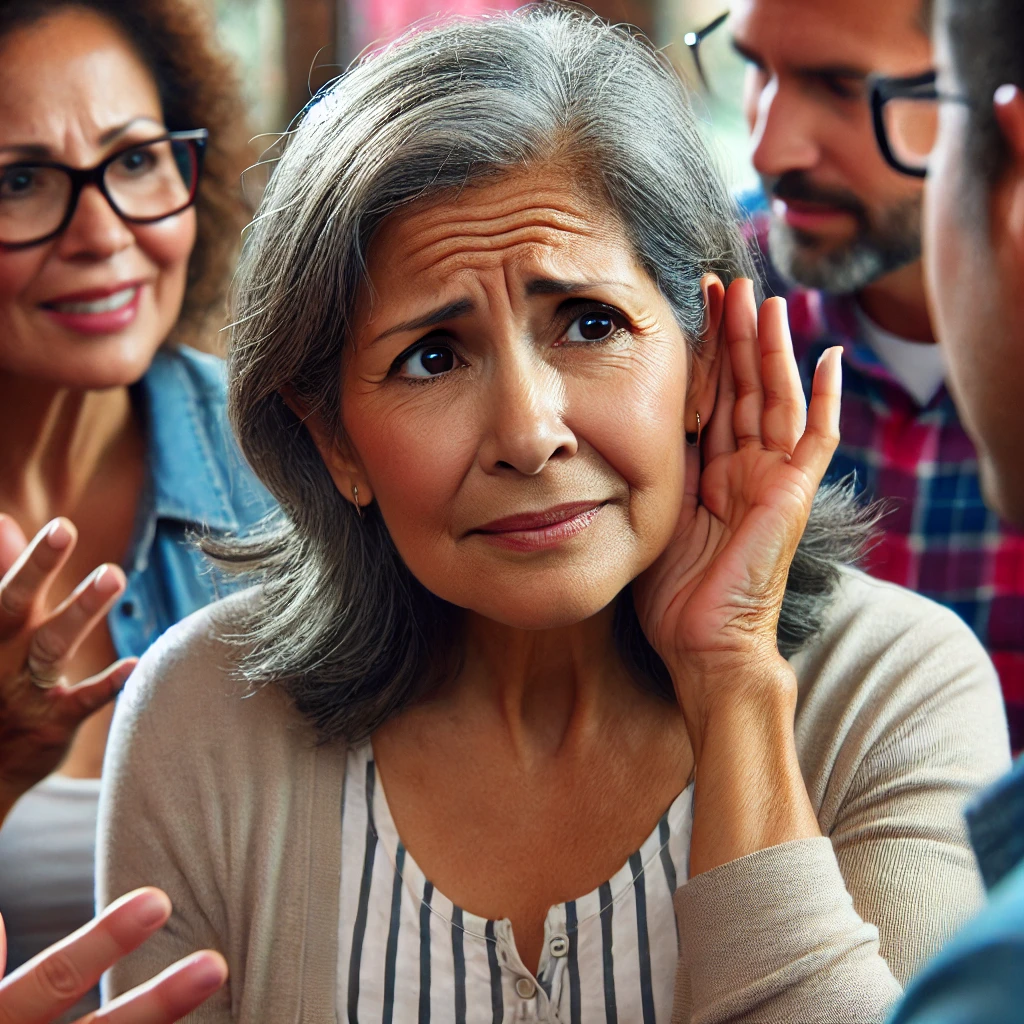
{"points": [[229, 805]]}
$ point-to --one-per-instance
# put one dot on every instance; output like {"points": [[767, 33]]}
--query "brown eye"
{"points": [[593, 326], [428, 361]]}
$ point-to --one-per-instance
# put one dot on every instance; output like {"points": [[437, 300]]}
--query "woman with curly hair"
{"points": [[121, 141]]}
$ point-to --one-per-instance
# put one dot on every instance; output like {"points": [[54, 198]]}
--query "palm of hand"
{"points": [[717, 589]]}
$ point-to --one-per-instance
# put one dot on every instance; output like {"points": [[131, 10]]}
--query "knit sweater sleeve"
{"points": [[213, 794], [157, 827], [900, 721]]}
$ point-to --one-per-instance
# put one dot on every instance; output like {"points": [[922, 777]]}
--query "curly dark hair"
{"points": [[198, 87]]}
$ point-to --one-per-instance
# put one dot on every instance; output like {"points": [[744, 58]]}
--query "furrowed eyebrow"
{"points": [[454, 310], [553, 286], [451, 311], [34, 151]]}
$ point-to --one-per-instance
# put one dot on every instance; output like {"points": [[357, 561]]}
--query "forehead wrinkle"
{"points": [[520, 245]]}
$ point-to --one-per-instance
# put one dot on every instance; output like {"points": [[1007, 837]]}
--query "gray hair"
{"points": [[342, 623]]}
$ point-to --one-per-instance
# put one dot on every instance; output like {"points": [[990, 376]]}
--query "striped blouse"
{"points": [[407, 954]]}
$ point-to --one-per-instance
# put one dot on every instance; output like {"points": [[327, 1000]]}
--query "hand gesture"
{"points": [[40, 707], [710, 604], [51, 983]]}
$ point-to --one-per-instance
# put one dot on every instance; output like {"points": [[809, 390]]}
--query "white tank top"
{"points": [[47, 856]]}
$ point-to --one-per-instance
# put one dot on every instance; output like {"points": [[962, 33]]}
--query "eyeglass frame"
{"points": [[81, 177], [885, 88], [692, 41]]}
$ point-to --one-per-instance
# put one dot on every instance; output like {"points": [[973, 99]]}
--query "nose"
{"points": [[782, 130], [95, 231], [527, 430]]}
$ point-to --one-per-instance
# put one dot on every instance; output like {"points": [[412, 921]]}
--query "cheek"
{"points": [[415, 456], [168, 246], [18, 271]]}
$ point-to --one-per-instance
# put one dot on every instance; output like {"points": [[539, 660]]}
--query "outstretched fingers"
{"points": [[785, 408], [815, 449], [58, 977], [745, 359], [170, 996], [26, 581]]}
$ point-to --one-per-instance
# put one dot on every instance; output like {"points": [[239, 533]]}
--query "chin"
{"points": [[546, 606], [97, 364]]}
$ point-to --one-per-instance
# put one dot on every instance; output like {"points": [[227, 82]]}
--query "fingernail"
{"points": [[58, 536], [1004, 94], [151, 910], [207, 971], [104, 581]]}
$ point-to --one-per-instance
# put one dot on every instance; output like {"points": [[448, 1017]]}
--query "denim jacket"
{"points": [[196, 480], [979, 977]]}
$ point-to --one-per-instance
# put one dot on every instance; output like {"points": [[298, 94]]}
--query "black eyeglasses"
{"points": [[143, 184], [906, 117], [693, 40]]}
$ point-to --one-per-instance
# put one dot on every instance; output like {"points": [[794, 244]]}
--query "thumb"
{"points": [[3, 947], [91, 694]]}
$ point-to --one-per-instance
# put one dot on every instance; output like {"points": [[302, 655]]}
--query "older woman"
{"points": [[553, 715], [114, 249]]}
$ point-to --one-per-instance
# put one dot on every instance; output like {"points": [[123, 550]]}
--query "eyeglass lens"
{"points": [[911, 125], [144, 183]]}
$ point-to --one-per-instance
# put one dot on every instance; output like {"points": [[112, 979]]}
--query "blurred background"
{"points": [[288, 48]]}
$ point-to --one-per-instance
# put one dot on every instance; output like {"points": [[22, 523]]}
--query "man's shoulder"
{"points": [[978, 976]]}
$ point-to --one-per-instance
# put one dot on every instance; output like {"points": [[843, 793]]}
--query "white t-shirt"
{"points": [[407, 954], [918, 366]]}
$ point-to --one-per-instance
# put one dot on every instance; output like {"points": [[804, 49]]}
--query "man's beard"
{"points": [[883, 241]]}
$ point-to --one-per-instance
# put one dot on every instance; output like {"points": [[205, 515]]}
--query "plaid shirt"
{"points": [[939, 539]]}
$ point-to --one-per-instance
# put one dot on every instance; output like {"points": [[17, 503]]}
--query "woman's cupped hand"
{"points": [[41, 704], [710, 604]]}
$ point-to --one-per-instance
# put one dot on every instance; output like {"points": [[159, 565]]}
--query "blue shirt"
{"points": [[196, 480], [979, 977]]}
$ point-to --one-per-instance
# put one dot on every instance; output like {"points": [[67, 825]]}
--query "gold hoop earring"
{"points": [[694, 439], [355, 498]]}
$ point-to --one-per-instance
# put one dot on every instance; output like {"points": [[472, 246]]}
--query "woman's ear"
{"points": [[703, 390], [342, 463]]}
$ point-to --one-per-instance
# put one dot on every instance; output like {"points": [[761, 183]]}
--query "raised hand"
{"points": [[40, 706], [49, 984], [710, 604]]}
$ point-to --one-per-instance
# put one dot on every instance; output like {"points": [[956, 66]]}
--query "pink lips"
{"points": [[532, 531]]}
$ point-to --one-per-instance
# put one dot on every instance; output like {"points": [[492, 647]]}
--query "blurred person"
{"points": [[559, 702], [842, 236], [963, 127], [119, 217], [54, 980]]}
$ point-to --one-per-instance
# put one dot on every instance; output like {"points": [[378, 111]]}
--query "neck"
{"points": [[898, 305], [549, 690], [55, 441]]}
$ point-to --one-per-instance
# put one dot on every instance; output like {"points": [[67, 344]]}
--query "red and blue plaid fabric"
{"points": [[939, 539]]}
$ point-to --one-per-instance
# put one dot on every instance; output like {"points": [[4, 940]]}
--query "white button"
{"points": [[559, 945], [525, 988]]}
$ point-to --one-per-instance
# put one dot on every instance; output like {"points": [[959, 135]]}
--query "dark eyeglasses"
{"points": [[693, 41], [143, 184], [906, 116]]}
